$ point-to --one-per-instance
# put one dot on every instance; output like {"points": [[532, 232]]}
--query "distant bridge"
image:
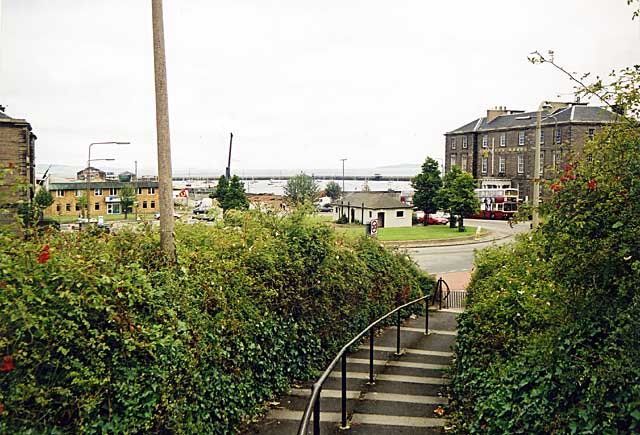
{"points": [[317, 177]]}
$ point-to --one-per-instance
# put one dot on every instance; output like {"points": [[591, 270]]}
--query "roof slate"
{"points": [[373, 200], [577, 113], [81, 185]]}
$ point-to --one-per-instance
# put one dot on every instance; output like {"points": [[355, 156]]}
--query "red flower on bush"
{"points": [[1, 409], [572, 176], [44, 255], [563, 178], [567, 168], [7, 363], [556, 187], [591, 184]]}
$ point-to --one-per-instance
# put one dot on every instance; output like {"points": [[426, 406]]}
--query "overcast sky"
{"points": [[300, 83]]}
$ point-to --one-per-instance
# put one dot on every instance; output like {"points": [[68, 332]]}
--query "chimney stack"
{"points": [[495, 112]]}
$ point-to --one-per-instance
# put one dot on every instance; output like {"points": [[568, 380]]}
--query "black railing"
{"points": [[313, 406], [438, 294]]}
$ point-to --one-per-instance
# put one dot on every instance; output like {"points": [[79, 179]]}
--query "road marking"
{"points": [[382, 397], [413, 365], [394, 378], [411, 351]]}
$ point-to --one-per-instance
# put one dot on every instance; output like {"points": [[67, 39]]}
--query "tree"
{"points": [[301, 188], [82, 203], [127, 198], [427, 184], [234, 196], [42, 200], [457, 195], [221, 189], [333, 190], [230, 194]]}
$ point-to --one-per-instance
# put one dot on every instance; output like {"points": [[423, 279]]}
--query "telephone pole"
{"points": [[343, 160], [165, 186]]}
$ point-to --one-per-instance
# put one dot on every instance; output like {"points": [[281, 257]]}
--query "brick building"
{"points": [[498, 150], [103, 197], [16, 164]]}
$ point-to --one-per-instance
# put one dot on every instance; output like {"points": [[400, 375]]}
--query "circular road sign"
{"points": [[374, 227]]}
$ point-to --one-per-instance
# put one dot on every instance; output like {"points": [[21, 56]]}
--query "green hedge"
{"points": [[550, 340], [99, 335]]}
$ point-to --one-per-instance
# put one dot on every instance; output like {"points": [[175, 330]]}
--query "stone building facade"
{"points": [[499, 149], [17, 165]]}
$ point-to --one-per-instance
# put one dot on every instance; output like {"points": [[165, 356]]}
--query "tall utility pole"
{"points": [[228, 171], [552, 107], [343, 160], [165, 187]]}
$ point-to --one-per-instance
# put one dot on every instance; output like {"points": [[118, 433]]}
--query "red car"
{"points": [[434, 218]]}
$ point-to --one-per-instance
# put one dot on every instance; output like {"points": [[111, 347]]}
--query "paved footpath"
{"points": [[407, 391]]}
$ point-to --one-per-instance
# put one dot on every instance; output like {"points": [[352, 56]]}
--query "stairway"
{"points": [[407, 391]]}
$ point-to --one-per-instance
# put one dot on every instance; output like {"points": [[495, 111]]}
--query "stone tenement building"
{"points": [[499, 149], [17, 166]]}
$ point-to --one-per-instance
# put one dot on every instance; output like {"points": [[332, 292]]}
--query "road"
{"points": [[457, 258]]}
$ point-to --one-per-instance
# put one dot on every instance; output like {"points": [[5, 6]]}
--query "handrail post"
{"points": [[371, 338], [344, 424], [398, 333], [426, 317], [440, 292], [316, 412]]}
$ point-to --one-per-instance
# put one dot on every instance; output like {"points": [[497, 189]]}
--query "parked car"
{"points": [[434, 218], [325, 208]]}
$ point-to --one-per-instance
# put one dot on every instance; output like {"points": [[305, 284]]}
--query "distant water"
{"points": [[60, 173], [276, 186]]}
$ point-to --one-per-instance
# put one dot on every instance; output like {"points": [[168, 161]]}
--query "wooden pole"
{"points": [[165, 187]]}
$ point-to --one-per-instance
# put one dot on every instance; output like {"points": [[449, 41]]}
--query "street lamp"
{"points": [[89, 160], [536, 157], [343, 160]]}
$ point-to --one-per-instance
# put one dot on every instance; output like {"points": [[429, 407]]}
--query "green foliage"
{"points": [[333, 190], [550, 340], [427, 184], [457, 194], [127, 199], [230, 194], [301, 188], [43, 198], [105, 337], [221, 189]]}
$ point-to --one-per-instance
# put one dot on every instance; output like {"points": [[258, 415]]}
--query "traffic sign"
{"points": [[374, 227]]}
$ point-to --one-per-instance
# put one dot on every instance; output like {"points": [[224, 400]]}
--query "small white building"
{"points": [[386, 207]]}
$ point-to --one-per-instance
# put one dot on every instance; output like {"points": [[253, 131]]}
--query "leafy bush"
{"points": [[98, 334], [550, 340]]}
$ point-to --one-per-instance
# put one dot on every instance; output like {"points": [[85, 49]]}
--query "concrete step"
{"points": [[407, 389]]}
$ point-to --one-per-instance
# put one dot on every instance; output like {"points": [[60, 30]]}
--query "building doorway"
{"points": [[381, 219]]}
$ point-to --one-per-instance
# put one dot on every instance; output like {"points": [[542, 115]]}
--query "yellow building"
{"points": [[104, 197]]}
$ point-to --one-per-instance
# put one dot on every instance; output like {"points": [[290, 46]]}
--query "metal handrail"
{"points": [[438, 292], [314, 403]]}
